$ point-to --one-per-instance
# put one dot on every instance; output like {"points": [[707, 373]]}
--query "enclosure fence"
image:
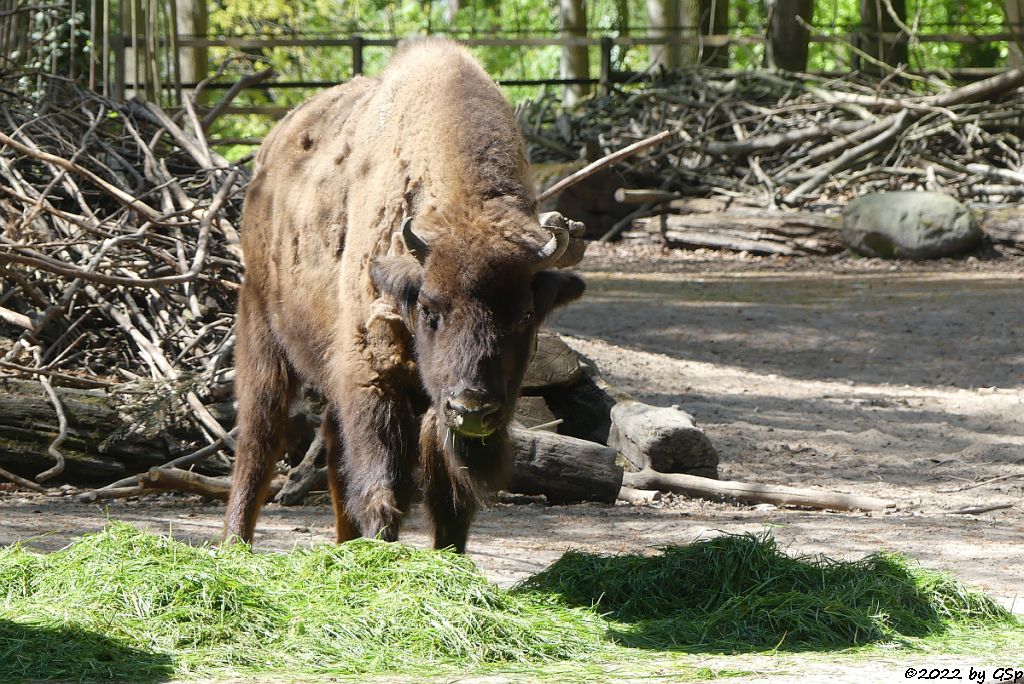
{"points": [[138, 48]]}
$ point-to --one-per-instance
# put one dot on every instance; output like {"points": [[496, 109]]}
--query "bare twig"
{"points": [[62, 163], [179, 462], [241, 84], [978, 510], [750, 492], [62, 434], [848, 158], [22, 482], [983, 483], [592, 168]]}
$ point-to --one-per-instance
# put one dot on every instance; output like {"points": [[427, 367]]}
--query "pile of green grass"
{"points": [[131, 606]]}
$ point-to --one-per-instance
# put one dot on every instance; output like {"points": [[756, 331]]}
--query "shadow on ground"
{"points": [[871, 327], [34, 653], [741, 594]]}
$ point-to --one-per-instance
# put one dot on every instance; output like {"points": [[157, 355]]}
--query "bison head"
{"points": [[473, 301]]}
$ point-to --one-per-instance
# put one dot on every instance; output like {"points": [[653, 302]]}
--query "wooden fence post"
{"points": [[357, 55], [607, 77]]}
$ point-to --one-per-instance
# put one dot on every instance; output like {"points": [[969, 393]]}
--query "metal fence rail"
{"points": [[607, 75], [137, 49]]}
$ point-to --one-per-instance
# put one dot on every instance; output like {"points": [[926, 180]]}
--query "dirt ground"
{"points": [[904, 381]]}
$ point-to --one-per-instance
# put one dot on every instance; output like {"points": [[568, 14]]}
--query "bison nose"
{"points": [[473, 416]]}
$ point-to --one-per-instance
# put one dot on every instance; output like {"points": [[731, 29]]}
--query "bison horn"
{"points": [[555, 247], [565, 247], [414, 244]]}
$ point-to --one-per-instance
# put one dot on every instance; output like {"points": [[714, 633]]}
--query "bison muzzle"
{"points": [[396, 264]]}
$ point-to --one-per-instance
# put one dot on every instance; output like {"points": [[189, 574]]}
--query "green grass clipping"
{"points": [[126, 605]]}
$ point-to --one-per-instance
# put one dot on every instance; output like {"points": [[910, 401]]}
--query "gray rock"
{"points": [[909, 225]]}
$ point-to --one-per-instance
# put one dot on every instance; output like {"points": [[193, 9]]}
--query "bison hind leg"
{"points": [[265, 385]]}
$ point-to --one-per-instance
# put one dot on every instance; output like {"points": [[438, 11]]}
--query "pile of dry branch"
{"points": [[119, 254], [783, 140]]}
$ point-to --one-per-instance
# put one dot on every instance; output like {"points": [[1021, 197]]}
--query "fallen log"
{"points": [[639, 497], [554, 364], [532, 412], [563, 469], [99, 446], [755, 231], [595, 411], [1004, 225], [566, 466], [563, 389], [746, 492], [664, 439], [716, 239]]}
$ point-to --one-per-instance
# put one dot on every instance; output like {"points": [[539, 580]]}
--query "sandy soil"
{"points": [[903, 381]]}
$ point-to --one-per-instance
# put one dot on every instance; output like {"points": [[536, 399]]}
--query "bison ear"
{"points": [[399, 277], [552, 289]]}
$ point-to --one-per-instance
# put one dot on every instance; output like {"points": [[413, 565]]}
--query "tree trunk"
{"points": [[191, 20], [451, 8], [689, 29], [787, 36], [1014, 10], [662, 439], [663, 22], [575, 58], [98, 448], [622, 16], [882, 38]]}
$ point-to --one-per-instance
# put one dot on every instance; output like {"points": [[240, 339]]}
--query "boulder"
{"points": [[909, 225]]}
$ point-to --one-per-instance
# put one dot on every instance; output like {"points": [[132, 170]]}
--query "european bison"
{"points": [[395, 262]]}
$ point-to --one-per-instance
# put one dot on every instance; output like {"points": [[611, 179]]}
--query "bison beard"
{"points": [[402, 273]]}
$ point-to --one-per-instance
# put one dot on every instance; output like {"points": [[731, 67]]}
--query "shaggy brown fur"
{"points": [[397, 339]]}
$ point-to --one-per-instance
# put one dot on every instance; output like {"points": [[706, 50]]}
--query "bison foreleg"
{"points": [[345, 526], [450, 495], [379, 456], [265, 386]]}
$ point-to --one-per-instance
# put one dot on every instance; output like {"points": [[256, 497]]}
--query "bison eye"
{"points": [[430, 317], [526, 319]]}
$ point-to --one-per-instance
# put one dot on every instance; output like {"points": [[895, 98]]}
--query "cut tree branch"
{"points": [[745, 492]]}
